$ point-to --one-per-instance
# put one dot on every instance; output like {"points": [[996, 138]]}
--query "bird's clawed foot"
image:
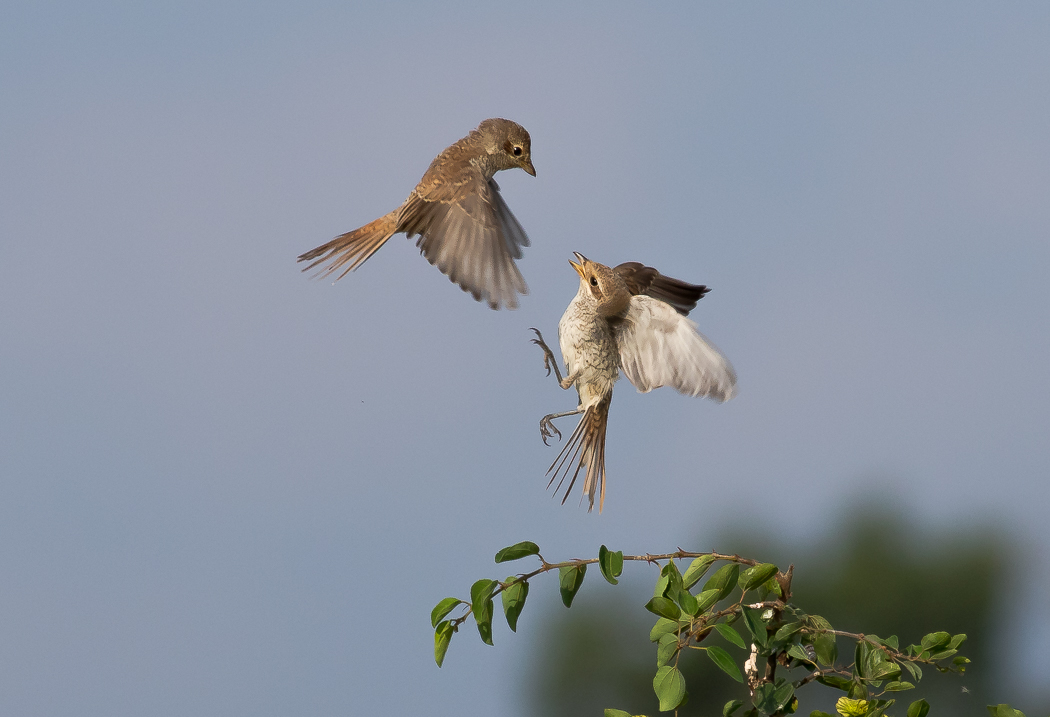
{"points": [[549, 361], [548, 429]]}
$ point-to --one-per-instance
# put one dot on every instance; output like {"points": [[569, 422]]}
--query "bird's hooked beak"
{"points": [[578, 266], [527, 166]]}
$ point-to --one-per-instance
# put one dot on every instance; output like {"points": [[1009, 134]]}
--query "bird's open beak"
{"points": [[529, 168], [578, 267]]}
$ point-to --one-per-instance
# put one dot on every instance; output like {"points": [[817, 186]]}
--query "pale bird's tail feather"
{"points": [[584, 449]]}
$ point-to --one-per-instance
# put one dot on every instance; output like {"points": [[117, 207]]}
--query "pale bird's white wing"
{"points": [[660, 347]]}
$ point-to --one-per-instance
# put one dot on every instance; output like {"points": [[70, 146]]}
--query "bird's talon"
{"points": [[548, 430], [548, 355]]}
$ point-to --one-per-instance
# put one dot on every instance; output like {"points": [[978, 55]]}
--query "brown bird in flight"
{"points": [[630, 318], [463, 224]]}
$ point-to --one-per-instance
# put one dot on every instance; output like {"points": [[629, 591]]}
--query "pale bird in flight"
{"points": [[628, 318]]}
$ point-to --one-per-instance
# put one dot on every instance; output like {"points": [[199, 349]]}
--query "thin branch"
{"points": [[546, 567]]}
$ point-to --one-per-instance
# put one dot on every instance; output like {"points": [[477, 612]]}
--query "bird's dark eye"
{"points": [[517, 151], [594, 281]]}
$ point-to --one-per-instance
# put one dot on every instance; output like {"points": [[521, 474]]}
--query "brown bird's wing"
{"points": [[467, 231], [659, 347], [585, 450], [642, 279]]}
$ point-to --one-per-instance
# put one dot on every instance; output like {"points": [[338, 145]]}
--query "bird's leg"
{"points": [[547, 427], [549, 361], [569, 380]]}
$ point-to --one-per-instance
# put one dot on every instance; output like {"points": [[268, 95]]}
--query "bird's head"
{"points": [[602, 284], [509, 143]]}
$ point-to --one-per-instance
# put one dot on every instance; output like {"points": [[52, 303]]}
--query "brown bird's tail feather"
{"points": [[585, 450], [354, 247]]}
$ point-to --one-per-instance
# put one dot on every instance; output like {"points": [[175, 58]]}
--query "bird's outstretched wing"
{"points": [[467, 231], [642, 279], [660, 347]]}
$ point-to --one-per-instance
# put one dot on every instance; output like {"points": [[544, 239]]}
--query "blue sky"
{"points": [[228, 490]]}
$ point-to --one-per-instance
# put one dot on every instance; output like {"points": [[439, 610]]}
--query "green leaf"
{"points": [[669, 686], [671, 579], [662, 627], [616, 713], [689, 604], [818, 713], [571, 578], [827, 651], [1003, 711], [481, 590], [935, 640], [956, 641], [787, 631], [848, 707], [441, 609], [874, 663], [839, 683], [916, 673], [517, 551], [664, 607], [666, 649], [721, 658], [763, 698], [481, 604], [731, 707], [514, 601], [886, 671], [442, 637], [891, 641], [863, 662], [919, 708], [819, 623], [799, 653], [755, 625], [483, 616], [611, 564], [784, 692], [484, 620], [696, 570], [857, 691], [755, 576], [899, 686], [730, 634], [724, 580], [770, 698], [880, 708], [706, 599]]}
